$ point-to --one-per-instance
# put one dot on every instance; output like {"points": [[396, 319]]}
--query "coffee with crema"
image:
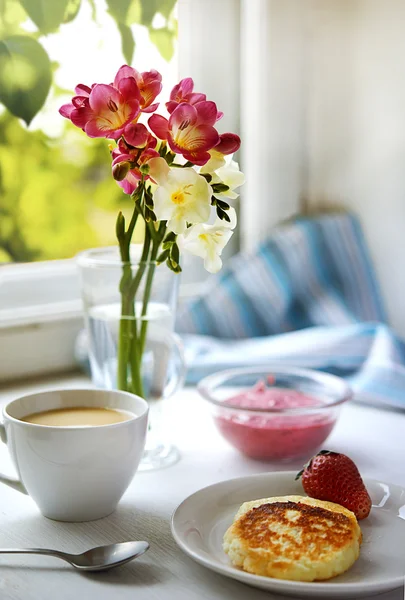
{"points": [[79, 416]]}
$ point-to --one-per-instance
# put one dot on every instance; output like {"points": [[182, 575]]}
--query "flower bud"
{"points": [[170, 237], [120, 226], [223, 215], [175, 255], [120, 170], [219, 188], [162, 257]]}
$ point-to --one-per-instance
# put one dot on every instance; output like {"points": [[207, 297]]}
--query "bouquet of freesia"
{"points": [[179, 172]]}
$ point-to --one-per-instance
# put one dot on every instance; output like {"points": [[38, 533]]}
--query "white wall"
{"points": [[356, 126], [272, 113], [321, 111], [209, 52]]}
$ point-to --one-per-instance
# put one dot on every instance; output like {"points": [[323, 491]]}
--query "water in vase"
{"points": [[104, 323]]}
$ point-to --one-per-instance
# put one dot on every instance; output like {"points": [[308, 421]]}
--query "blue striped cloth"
{"points": [[307, 297]]}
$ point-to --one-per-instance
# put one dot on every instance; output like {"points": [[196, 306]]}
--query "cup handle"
{"points": [[13, 483], [179, 378]]}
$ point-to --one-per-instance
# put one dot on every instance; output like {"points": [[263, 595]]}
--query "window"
{"points": [[57, 195]]}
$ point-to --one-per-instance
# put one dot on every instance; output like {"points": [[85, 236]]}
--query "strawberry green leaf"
{"points": [[298, 475]]}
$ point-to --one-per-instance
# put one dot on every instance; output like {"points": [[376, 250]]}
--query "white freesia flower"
{"points": [[158, 170], [182, 196], [208, 241], [231, 176], [216, 161]]}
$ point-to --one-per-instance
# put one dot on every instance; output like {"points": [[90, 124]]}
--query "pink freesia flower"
{"points": [[81, 99], [183, 92], [189, 130], [103, 110], [138, 136], [149, 84], [127, 162], [228, 143]]}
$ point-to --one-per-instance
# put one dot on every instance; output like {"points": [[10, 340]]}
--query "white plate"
{"points": [[199, 523]]}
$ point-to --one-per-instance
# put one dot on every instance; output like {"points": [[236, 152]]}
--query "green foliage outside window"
{"points": [[54, 202]]}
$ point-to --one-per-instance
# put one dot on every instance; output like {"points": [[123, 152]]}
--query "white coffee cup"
{"points": [[74, 473]]}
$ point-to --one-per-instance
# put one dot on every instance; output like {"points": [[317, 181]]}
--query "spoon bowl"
{"points": [[108, 557]]}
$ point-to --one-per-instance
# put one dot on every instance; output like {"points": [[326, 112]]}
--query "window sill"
{"points": [[40, 347], [35, 315], [41, 316]]}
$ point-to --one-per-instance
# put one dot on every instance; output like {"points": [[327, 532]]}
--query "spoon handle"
{"points": [[45, 551]]}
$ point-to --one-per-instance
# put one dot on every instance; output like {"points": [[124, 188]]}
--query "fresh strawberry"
{"points": [[334, 477]]}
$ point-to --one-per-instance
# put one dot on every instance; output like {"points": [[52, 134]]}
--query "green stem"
{"points": [[136, 350], [159, 235], [134, 359], [131, 226], [124, 340], [127, 328], [124, 345]]}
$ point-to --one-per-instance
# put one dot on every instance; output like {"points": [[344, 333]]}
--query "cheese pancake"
{"points": [[293, 537]]}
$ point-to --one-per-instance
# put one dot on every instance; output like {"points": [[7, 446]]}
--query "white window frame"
{"points": [[40, 318]]}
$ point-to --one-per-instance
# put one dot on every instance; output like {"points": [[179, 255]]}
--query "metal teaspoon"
{"points": [[95, 559]]}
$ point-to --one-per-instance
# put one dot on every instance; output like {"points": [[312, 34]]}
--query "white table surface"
{"points": [[374, 438]]}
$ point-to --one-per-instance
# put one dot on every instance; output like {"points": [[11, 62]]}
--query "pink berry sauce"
{"points": [[274, 436]]}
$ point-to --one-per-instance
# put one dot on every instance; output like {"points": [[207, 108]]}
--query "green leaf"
{"points": [[118, 9], [134, 14], [12, 15], [149, 9], [164, 41], [93, 9], [46, 14], [127, 42], [71, 11], [25, 76], [166, 7]]}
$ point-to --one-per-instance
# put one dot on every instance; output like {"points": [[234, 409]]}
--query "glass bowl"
{"points": [[275, 414]]}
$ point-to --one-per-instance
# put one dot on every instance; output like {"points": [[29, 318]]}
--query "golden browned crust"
{"points": [[319, 528]]}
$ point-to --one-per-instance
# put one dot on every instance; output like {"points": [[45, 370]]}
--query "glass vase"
{"points": [[131, 339]]}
